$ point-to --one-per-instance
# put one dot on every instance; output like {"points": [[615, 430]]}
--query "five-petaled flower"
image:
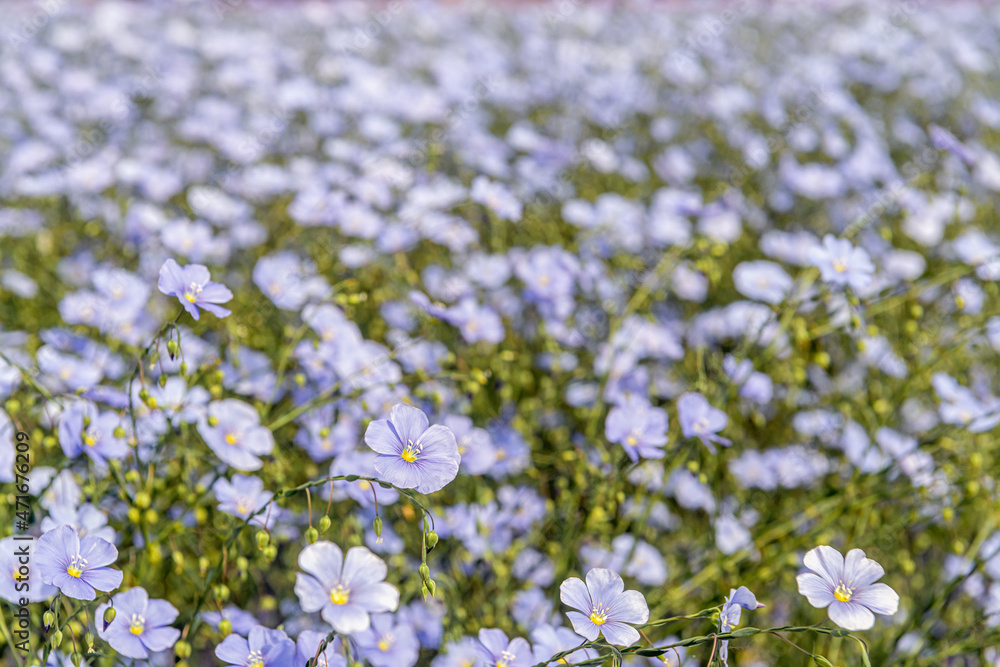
{"points": [[262, 648], [605, 607], [847, 587], [78, 567], [346, 589], [192, 286], [411, 455], [497, 651], [140, 625]]}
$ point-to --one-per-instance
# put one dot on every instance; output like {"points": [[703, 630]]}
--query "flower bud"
{"points": [[431, 586], [76, 659], [162, 380], [425, 572], [49, 619], [312, 535], [182, 649], [377, 524], [242, 563], [324, 432], [151, 517], [423, 590], [222, 592], [134, 514], [432, 539], [271, 552], [142, 500], [109, 615], [212, 421], [324, 523], [172, 348], [184, 368], [263, 539], [143, 395], [821, 661], [88, 639], [13, 406], [57, 638], [225, 627], [152, 402], [119, 432]]}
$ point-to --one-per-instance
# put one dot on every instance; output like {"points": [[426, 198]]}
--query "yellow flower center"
{"points": [[631, 440], [385, 642], [843, 593], [410, 451], [599, 615], [839, 266], [506, 657], [255, 659], [75, 567], [192, 292], [138, 624], [89, 440], [231, 438], [339, 595]]}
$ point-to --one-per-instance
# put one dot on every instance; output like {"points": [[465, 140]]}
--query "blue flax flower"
{"points": [[700, 420], [738, 600], [141, 625], [497, 651], [78, 567], [192, 286], [345, 589], [263, 648], [411, 455], [847, 587], [605, 607]]}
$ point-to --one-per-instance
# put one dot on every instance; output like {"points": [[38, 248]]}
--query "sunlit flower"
{"points": [[847, 587], [605, 607]]}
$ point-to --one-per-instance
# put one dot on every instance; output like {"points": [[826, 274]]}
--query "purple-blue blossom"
{"points": [[411, 454], [345, 589], [141, 626], [261, 648], [77, 567], [604, 607], [846, 587], [193, 287], [700, 420]]}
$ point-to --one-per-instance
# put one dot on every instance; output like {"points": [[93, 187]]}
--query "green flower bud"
{"points": [[119, 432], [88, 639], [163, 380], [324, 432], [324, 523], [423, 590], [222, 592], [13, 406], [49, 619], [378, 526], [184, 368], [182, 649], [432, 539], [76, 659], [142, 500], [151, 517], [431, 586], [152, 402], [242, 563], [172, 348], [225, 627], [57, 638], [821, 661], [312, 535], [212, 421], [143, 395], [109, 615], [263, 539], [134, 514], [271, 552], [425, 572]]}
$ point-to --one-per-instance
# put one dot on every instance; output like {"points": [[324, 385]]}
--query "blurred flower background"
{"points": [[355, 333]]}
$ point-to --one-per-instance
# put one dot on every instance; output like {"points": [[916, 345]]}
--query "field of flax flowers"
{"points": [[499, 336]]}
